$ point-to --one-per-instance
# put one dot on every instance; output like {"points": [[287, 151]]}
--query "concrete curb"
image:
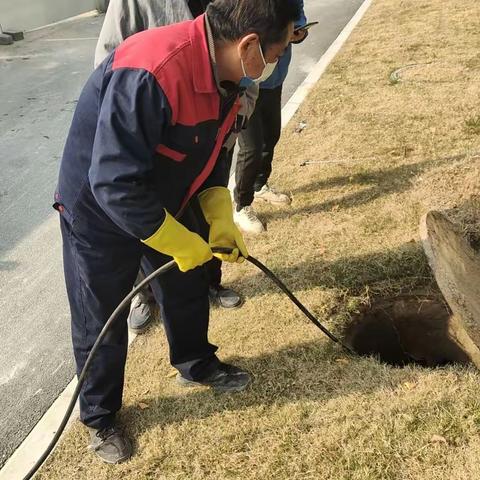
{"points": [[38, 439], [90, 13], [30, 450], [25, 456]]}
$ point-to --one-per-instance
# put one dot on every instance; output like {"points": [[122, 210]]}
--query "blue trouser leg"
{"points": [[101, 264], [98, 275]]}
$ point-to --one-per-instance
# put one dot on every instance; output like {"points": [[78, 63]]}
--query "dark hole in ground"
{"points": [[405, 330]]}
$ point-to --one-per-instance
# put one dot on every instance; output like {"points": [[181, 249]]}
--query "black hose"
{"points": [[297, 302], [124, 303]]}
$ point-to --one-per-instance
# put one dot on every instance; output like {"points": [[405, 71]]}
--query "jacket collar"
{"points": [[203, 78]]}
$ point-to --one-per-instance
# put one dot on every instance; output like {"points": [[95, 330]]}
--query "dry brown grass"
{"points": [[351, 232]]}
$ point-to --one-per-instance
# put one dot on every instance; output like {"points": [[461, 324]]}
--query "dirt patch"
{"points": [[405, 330]]}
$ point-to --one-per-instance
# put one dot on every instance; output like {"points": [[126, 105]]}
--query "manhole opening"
{"points": [[406, 330]]}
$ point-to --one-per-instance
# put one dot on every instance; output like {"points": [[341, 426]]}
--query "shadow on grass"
{"points": [[379, 183], [351, 273], [376, 178], [305, 372]]}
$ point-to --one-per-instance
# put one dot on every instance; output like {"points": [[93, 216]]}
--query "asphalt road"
{"points": [[40, 81]]}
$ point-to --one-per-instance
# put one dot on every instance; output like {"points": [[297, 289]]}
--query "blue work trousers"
{"points": [[101, 263]]}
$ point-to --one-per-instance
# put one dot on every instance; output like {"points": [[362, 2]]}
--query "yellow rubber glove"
{"points": [[216, 206], [188, 249]]}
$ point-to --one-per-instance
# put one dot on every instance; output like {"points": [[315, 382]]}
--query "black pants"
{"points": [[101, 263], [257, 144]]}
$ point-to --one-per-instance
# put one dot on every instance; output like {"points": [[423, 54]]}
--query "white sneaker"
{"points": [[269, 195], [248, 221]]}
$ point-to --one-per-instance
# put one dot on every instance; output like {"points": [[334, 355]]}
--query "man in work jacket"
{"points": [[123, 19], [146, 138]]}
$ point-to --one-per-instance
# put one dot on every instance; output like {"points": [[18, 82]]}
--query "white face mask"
{"points": [[266, 72]]}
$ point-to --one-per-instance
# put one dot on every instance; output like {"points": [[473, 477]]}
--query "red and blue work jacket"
{"points": [[147, 131]]}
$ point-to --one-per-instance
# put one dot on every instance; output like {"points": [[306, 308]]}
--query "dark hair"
{"points": [[230, 20]]}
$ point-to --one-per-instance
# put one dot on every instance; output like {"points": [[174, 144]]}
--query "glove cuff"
{"points": [[216, 203], [169, 237]]}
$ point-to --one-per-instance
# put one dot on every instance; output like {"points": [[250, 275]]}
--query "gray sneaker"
{"points": [[224, 297], [110, 444], [140, 315], [226, 378]]}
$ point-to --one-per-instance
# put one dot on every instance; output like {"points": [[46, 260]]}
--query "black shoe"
{"points": [[224, 297], [110, 444], [141, 315], [226, 378]]}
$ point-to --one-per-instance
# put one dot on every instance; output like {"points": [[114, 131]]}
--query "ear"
{"points": [[247, 45]]}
